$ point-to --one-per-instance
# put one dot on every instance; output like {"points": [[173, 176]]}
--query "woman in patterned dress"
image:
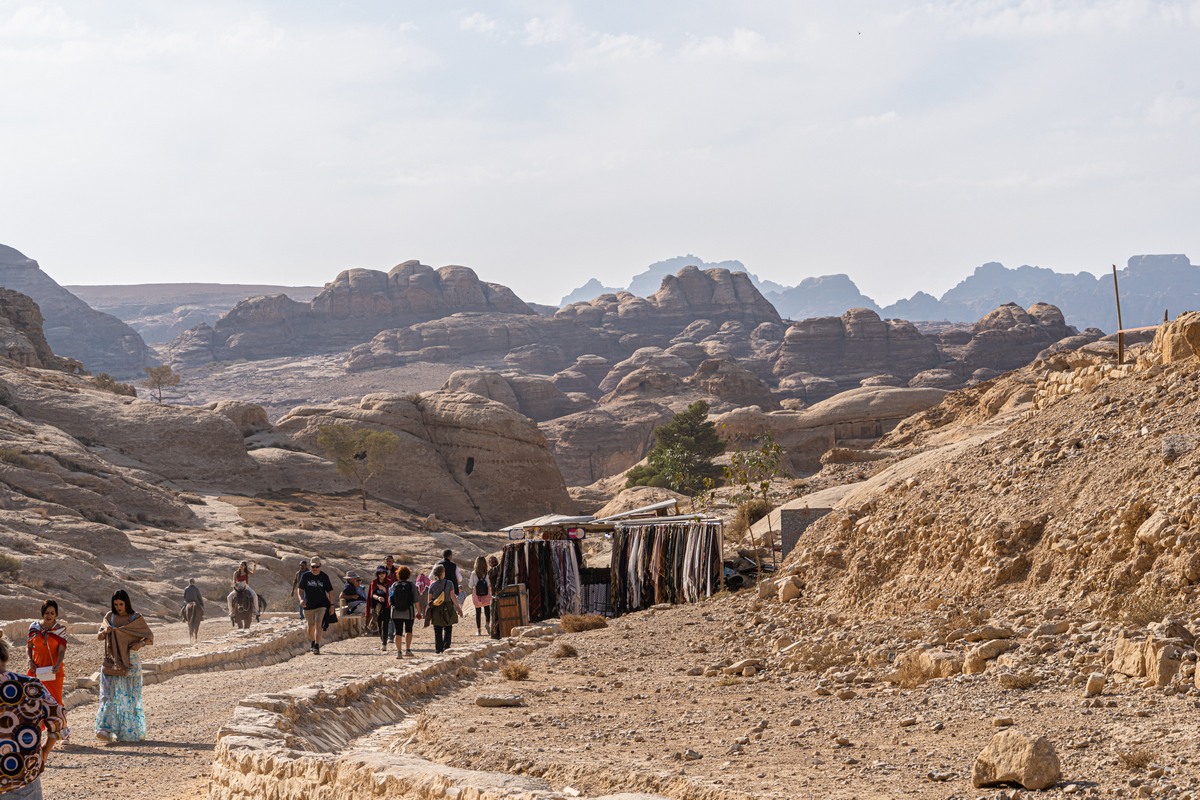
{"points": [[124, 632]]}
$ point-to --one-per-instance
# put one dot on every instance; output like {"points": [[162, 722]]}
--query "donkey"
{"points": [[193, 615]]}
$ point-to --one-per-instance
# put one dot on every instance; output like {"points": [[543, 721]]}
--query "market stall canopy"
{"points": [[547, 521]]}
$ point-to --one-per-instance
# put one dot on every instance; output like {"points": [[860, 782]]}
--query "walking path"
{"points": [[182, 719]]}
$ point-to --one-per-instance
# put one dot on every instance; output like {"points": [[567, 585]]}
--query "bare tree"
{"points": [[159, 378], [358, 453]]}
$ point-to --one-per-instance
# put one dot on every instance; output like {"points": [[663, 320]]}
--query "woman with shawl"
{"points": [[124, 632], [47, 646]]}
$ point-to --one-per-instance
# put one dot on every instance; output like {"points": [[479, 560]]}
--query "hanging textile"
{"points": [[550, 571], [664, 562]]}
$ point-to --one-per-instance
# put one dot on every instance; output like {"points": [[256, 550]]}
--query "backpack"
{"points": [[402, 601], [441, 596], [481, 586]]}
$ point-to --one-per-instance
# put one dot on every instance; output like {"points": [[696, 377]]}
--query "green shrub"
{"points": [[10, 564], [108, 383], [682, 458], [11, 455]]}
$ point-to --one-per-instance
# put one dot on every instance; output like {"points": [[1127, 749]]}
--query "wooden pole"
{"points": [[1120, 327]]}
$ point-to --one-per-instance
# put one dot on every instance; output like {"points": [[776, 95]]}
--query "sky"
{"points": [[544, 143]]}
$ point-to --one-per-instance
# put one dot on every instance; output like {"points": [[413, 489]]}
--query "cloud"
{"points": [[1043, 18], [479, 23], [42, 21], [742, 45], [625, 47], [540, 31], [875, 121]]}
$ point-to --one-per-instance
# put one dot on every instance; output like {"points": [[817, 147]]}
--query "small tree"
{"points": [[683, 453], [358, 453], [159, 378], [752, 471]]}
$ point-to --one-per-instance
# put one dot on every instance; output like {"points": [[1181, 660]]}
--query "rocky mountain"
{"points": [[1150, 285], [100, 341], [159, 312], [648, 281], [21, 337], [351, 309]]}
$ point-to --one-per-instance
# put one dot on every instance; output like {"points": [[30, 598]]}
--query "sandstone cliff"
{"points": [[100, 341], [21, 337]]}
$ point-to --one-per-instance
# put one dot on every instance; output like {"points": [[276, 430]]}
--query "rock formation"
{"points": [[21, 337], [602, 441], [461, 456], [351, 309], [535, 396], [100, 341], [854, 346]]}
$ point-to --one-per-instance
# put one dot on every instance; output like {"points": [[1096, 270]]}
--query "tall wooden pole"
{"points": [[1120, 327]]}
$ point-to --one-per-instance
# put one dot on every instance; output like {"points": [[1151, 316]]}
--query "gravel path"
{"points": [[182, 718]]}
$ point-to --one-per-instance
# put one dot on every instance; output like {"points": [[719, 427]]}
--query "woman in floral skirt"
{"points": [[124, 632]]}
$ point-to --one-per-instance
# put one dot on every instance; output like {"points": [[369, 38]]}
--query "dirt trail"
{"points": [[182, 719]]}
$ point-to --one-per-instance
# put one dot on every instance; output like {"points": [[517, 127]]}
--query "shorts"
{"points": [[315, 616], [402, 626]]}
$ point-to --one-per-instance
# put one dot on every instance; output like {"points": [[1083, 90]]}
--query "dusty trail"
{"points": [[182, 719]]}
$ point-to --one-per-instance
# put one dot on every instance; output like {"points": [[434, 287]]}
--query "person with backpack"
{"points": [[403, 598], [443, 609], [481, 594]]}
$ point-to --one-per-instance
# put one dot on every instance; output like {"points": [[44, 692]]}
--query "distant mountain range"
{"points": [[1151, 285]]}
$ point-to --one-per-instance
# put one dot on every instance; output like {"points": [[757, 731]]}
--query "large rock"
{"points": [[535, 396], [644, 357], [854, 346], [733, 384], [354, 307], [859, 414], [21, 338], [172, 442], [599, 442], [461, 456], [1179, 339], [1157, 660], [1010, 337], [1014, 756], [100, 341]]}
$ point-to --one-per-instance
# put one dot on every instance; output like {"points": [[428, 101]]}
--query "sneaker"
{"points": [[408, 653], [399, 654], [316, 649], [312, 646], [383, 648]]}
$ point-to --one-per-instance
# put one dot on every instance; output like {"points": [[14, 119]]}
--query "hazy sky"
{"points": [[543, 143]]}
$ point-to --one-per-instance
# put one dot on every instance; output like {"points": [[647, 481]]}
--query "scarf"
{"points": [[57, 634], [119, 639]]}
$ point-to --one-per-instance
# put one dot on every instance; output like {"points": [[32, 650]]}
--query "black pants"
{"points": [[385, 627], [441, 637], [487, 613]]}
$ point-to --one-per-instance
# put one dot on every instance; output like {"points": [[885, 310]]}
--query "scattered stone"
{"points": [[691, 755], [1095, 684], [500, 700]]}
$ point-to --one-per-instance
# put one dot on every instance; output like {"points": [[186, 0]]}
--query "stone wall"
{"points": [[1053, 385]]}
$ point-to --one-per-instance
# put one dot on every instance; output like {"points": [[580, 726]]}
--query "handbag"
{"points": [[330, 618]]}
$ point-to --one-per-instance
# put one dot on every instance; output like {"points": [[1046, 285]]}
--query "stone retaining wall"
{"points": [[1054, 385], [278, 645], [297, 745]]}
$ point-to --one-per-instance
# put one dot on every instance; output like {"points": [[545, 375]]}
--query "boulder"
{"points": [[977, 658], [1179, 339], [534, 396], [249, 418], [652, 357], [541, 359], [1157, 660], [1014, 756], [935, 379], [919, 666]]}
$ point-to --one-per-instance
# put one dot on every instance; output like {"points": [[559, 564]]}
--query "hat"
{"points": [[352, 576], [316, 562], [380, 568]]}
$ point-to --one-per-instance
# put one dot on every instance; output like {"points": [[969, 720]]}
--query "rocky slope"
{"points": [[100, 341]]}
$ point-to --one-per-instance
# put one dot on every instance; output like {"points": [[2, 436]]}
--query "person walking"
{"points": [[29, 706], [377, 605], [403, 599], [314, 590], [46, 644], [443, 609], [296, 582], [481, 594], [450, 570], [124, 632], [392, 570]]}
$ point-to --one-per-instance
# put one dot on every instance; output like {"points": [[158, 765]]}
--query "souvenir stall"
{"points": [[665, 560], [540, 572]]}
